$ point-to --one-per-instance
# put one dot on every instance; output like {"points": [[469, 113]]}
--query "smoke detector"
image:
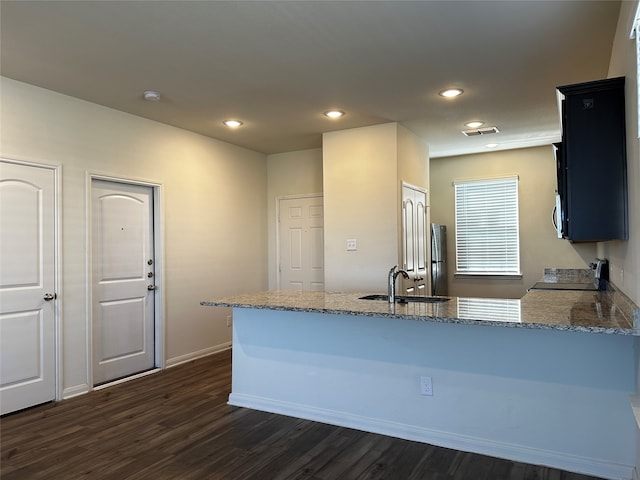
{"points": [[480, 131], [151, 96]]}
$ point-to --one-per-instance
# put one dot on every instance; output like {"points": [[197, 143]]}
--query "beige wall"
{"points": [[625, 256], [413, 168], [360, 202], [292, 173], [413, 158], [214, 211], [362, 170], [539, 246]]}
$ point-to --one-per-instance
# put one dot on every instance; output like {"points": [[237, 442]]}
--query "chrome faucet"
{"points": [[393, 273]]}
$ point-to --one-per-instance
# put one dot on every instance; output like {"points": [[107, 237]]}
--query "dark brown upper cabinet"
{"points": [[592, 162]]}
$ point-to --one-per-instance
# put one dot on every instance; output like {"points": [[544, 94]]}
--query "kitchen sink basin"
{"points": [[406, 298], [375, 297], [409, 299]]}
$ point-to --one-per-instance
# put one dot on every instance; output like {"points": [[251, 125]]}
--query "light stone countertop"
{"points": [[584, 311]]}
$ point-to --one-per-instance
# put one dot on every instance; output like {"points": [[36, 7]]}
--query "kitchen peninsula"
{"points": [[545, 379]]}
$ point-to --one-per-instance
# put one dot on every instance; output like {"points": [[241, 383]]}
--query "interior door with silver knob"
{"points": [[123, 296], [27, 285]]}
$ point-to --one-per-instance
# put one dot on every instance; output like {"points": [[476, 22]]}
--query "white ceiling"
{"points": [[278, 65]]}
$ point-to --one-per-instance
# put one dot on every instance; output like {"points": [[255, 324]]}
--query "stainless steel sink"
{"points": [[409, 299], [406, 298]]}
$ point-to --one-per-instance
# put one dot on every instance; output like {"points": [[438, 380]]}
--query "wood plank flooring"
{"points": [[176, 425]]}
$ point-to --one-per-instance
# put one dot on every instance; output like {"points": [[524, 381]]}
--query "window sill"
{"points": [[497, 276]]}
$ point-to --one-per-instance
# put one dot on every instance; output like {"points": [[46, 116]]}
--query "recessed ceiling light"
{"points": [[232, 123], [334, 113], [451, 92], [474, 124], [491, 145], [151, 96]]}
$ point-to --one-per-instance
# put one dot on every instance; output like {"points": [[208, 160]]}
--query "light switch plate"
{"points": [[352, 245]]}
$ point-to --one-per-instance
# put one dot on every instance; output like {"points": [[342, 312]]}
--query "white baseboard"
{"points": [[172, 362], [85, 388], [75, 391], [482, 446]]}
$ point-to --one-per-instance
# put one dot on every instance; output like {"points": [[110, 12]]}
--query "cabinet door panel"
{"points": [[594, 186]]}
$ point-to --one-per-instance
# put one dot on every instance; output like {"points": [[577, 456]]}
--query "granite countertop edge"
{"points": [[363, 312]]}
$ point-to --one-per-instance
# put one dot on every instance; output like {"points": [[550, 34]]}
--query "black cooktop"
{"points": [[564, 286]]}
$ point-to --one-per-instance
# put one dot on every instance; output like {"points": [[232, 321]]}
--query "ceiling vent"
{"points": [[480, 131]]}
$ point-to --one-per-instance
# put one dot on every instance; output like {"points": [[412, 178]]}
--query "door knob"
{"points": [[151, 287], [49, 296]]}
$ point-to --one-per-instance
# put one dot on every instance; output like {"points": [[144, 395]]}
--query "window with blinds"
{"points": [[487, 229]]}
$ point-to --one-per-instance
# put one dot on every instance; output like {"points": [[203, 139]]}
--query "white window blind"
{"points": [[487, 239]]}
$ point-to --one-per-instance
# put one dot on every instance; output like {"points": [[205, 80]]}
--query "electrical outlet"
{"points": [[426, 388], [229, 320], [352, 245]]}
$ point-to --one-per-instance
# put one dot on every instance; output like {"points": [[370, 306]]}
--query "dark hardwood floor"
{"points": [[176, 425]]}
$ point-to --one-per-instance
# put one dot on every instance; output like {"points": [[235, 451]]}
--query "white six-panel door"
{"points": [[123, 277], [27, 285], [301, 239]]}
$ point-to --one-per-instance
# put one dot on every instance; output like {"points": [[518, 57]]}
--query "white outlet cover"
{"points": [[426, 387], [352, 245]]}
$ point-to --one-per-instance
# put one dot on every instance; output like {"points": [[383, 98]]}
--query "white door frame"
{"points": [[286, 197], [158, 245], [57, 255]]}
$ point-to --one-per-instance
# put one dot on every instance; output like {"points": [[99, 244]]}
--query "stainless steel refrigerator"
{"points": [[438, 259]]}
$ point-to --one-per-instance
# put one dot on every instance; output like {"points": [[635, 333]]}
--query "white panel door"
{"points": [[422, 243], [415, 239], [301, 237], [408, 229], [27, 285], [122, 280]]}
